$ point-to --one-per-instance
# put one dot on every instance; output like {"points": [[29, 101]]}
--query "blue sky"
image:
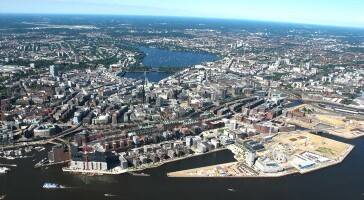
{"points": [[329, 12]]}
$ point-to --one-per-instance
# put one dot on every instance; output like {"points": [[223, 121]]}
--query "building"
{"points": [[159, 102], [6, 135], [53, 70], [96, 158], [233, 125], [268, 166], [250, 158], [45, 130], [58, 154]]}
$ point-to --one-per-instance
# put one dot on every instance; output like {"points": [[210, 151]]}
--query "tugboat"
{"points": [[52, 186]]}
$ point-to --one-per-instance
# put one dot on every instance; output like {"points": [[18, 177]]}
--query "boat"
{"points": [[232, 190], [41, 163], [28, 149], [3, 197], [52, 186], [137, 174], [4, 170], [39, 149], [110, 195]]}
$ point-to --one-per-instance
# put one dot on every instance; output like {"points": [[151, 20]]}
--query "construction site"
{"points": [[319, 119], [281, 155]]}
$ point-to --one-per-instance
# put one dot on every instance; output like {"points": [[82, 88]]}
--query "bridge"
{"points": [[50, 140]]}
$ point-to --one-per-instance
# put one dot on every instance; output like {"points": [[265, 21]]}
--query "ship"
{"points": [[4, 170], [52, 186]]}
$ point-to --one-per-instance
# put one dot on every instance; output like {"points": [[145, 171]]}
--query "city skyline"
{"points": [[335, 13]]}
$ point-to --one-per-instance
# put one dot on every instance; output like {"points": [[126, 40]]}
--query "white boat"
{"points": [[3, 197], [52, 186], [110, 195], [4, 170]]}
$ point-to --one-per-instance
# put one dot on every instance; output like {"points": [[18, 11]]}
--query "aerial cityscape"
{"points": [[134, 107]]}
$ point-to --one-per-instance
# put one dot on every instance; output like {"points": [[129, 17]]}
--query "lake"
{"points": [[165, 58], [155, 58]]}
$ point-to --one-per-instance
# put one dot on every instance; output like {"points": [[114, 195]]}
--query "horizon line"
{"points": [[194, 17]]}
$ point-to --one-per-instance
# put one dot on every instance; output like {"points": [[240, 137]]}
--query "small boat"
{"points": [[41, 163], [232, 190], [3, 197], [137, 174], [4, 170], [52, 186], [110, 195]]}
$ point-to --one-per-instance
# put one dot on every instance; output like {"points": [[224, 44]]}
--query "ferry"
{"points": [[4, 170], [52, 186]]}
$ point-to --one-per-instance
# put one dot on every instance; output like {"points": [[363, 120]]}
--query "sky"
{"points": [[326, 12]]}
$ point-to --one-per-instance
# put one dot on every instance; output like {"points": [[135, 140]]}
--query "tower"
{"points": [[143, 89], [53, 70]]}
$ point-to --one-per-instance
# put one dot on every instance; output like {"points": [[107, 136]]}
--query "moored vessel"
{"points": [[4, 170]]}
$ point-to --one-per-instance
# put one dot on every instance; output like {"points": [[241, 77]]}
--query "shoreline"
{"points": [[178, 159], [336, 161], [118, 170]]}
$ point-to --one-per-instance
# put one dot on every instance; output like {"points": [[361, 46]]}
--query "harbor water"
{"points": [[342, 181]]}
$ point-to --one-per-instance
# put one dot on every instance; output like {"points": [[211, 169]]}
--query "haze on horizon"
{"points": [[325, 12]]}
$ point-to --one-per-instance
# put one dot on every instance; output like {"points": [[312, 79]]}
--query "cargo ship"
{"points": [[53, 186]]}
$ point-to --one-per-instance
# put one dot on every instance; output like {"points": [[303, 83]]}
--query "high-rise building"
{"points": [[159, 102], [53, 70], [233, 125], [223, 93], [77, 58]]}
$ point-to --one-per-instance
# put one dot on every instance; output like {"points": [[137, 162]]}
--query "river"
{"points": [[342, 181]]}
